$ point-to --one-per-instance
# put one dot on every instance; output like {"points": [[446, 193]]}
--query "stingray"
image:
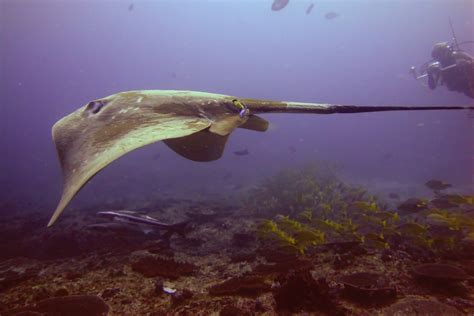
{"points": [[196, 125]]}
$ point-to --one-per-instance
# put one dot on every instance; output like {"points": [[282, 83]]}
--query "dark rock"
{"points": [[412, 205], [284, 266], [437, 185], [241, 257], [231, 310], [440, 272], [342, 261], [419, 306], [161, 249], [300, 291], [181, 295], [108, 293], [443, 202], [393, 195], [278, 256], [72, 275], [114, 273], [344, 247], [387, 255], [442, 279], [468, 266], [61, 292], [160, 312], [259, 308], [368, 288], [158, 286], [243, 240], [151, 266], [13, 277], [461, 303], [41, 294], [245, 285], [59, 246]]}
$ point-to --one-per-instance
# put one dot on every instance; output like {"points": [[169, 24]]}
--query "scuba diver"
{"points": [[451, 67]]}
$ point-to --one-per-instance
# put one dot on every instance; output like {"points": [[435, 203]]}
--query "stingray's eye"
{"points": [[94, 107], [239, 105]]}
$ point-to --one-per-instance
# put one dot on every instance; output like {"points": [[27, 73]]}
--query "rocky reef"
{"points": [[302, 242]]}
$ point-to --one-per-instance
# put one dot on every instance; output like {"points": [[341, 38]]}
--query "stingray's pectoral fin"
{"points": [[209, 144], [255, 123], [87, 145], [200, 146], [70, 190]]}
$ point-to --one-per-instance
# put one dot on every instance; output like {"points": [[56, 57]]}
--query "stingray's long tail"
{"points": [[363, 109], [263, 106]]}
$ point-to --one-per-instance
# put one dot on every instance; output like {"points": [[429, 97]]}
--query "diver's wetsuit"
{"points": [[459, 78]]}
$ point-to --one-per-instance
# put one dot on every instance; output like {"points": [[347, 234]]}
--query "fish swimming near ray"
{"points": [[277, 5], [331, 15], [243, 152], [123, 219], [196, 125]]}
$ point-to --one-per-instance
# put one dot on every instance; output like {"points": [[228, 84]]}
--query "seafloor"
{"points": [[221, 266]]}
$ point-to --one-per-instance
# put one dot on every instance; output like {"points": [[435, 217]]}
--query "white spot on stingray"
{"points": [[113, 117], [139, 99]]}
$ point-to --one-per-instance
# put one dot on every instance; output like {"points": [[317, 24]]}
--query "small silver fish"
{"points": [[147, 223], [279, 4], [331, 15], [242, 152]]}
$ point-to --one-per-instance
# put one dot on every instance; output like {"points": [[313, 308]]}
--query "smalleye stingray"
{"points": [[195, 125]]}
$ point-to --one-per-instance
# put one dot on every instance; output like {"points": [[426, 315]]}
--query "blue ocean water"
{"points": [[56, 56]]}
